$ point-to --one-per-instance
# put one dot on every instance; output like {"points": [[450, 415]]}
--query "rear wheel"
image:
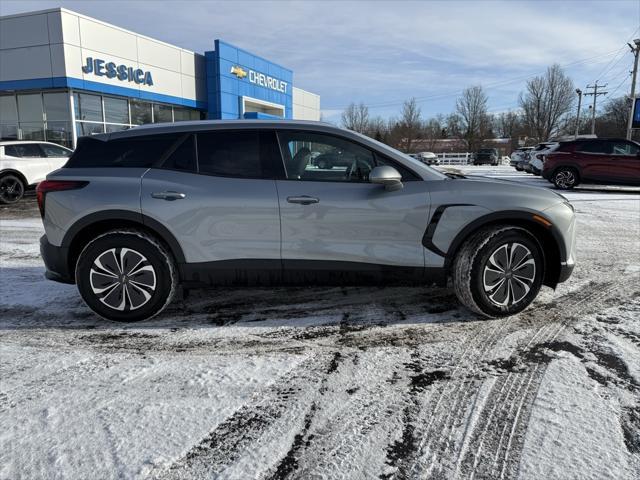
{"points": [[565, 178], [498, 271], [126, 276], [11, 189]]}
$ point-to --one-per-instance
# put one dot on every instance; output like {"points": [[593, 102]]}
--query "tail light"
{"points": [[55, 186]]}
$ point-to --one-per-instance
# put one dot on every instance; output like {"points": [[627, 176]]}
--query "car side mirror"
{"points": [[387, 176]]}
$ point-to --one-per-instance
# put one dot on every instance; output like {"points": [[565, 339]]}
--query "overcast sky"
{"points": [[382, 53]]}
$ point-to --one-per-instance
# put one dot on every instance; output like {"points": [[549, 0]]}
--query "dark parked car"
{"points": [[602, 160], [486, 155]]}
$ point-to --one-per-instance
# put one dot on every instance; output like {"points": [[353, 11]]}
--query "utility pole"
{"points": [[636, 53], [579, 92], [595, 94]]}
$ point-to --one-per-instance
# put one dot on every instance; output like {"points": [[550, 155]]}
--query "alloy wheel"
{"points": [[509, 274], [565, 179], [122, 279], [11, 189]]}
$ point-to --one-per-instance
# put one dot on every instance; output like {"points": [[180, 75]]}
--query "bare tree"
{"points": [[472, 112], [377, 129], [356, 118], [432, 131], [409, 123], [613, 120], [547, 101]]}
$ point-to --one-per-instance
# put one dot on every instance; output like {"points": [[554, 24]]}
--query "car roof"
{"points": [[609, 139], [247, 124], [204, 125]]}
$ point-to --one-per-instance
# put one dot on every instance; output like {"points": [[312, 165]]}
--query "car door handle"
{"points": [[303, 200], [168, 195]]}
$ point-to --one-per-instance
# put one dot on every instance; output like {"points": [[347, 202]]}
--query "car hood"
{"points": [[494, 194]]}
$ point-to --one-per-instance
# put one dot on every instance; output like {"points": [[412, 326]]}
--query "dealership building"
{"points": [[64, 75]]}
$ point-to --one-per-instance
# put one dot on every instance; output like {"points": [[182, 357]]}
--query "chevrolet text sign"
{"points": [[261, 79]]}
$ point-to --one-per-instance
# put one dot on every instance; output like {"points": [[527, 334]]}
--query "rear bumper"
{"points": [[56, 262]]}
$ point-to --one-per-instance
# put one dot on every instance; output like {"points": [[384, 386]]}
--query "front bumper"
{"points": [[56, 262], [566, 269]]}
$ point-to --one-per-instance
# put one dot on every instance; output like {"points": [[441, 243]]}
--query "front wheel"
{"points": [[498, 271], [565, 178], [11, 189], [126, 276]]}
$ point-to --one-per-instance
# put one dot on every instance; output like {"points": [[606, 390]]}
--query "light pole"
{"points": [[636, 52], [579, 92]]}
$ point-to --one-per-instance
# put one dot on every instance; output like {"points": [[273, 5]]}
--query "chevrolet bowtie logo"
{"points": [[238, 72]]}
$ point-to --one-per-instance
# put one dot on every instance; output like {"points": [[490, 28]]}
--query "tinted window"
{"points": [[594, 147], [123, 152], [318, 157], [24, 150], [230, 154], [54, 151], [625, 148], [183, 157]]}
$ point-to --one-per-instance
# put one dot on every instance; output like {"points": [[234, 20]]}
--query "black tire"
{"points": [[11, 189], [107, 266], [565, 178], [477, 281]]}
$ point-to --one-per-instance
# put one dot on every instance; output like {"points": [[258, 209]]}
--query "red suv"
{"points": [[598, 160]]}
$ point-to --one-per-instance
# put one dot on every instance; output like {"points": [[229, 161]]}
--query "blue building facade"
{"points": [[243, 85]]}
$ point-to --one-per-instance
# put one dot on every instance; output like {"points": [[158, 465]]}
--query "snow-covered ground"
{"points": [[329, 382]]}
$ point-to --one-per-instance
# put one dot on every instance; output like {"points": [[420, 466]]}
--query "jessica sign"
{"points": [[121, 72]]}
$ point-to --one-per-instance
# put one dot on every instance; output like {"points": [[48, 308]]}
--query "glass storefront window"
{"points": [[88, 107], [56, 106], [32, 130], [116, 110], [30, 107], [60, 133], [162, 113], [140, 112], [182, 114], [116, 128], [88, 128], [8, 110]]}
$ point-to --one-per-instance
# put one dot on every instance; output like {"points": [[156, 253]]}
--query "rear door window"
{"points": [[24, 150], [182, 156], [237, 154], [130, 152], [601, 147]]}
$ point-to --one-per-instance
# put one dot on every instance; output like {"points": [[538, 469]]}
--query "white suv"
{"points": [[24, 163]]}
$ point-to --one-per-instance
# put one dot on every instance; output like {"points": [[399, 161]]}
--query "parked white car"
{"points": [[429, 158], [25, 163], [536, 160], [519, 157]]}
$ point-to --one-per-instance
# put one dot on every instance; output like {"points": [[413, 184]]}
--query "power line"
{"points": [[622, 50], [486, 87]]}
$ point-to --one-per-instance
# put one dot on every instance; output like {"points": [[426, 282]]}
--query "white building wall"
{"points": [[56, 43], [306, 105]]}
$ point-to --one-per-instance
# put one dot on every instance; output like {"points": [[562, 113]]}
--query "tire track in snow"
{"points": [[495, 447], [232, 439]]}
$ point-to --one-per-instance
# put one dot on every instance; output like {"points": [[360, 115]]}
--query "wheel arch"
{"points": [[92, 225], [548, 238], [17, 173]]}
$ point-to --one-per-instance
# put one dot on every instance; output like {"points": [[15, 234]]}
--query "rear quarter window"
{"points": [[130, 152]]}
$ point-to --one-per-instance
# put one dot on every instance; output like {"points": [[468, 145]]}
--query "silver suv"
{"points": [[135, 215]]}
